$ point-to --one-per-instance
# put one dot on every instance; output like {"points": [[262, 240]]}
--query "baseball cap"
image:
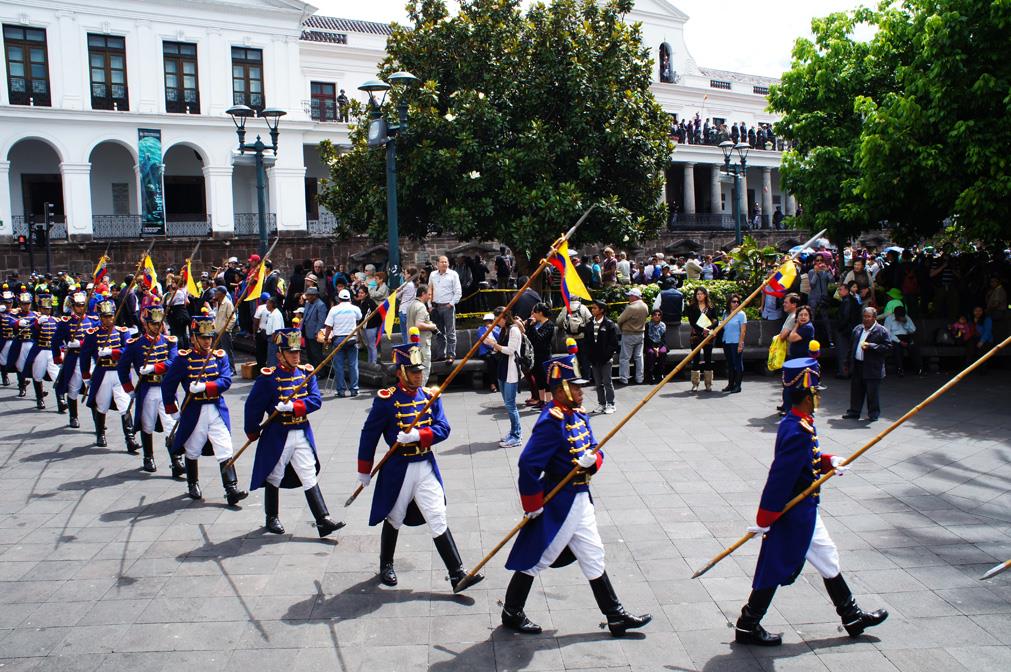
{"points": [[233, 260], [634, 291], [344, 295], [488, 317]]}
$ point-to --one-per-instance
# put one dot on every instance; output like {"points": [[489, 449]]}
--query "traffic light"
{"points": [[50, 214], [23, 242], [40, 234]]}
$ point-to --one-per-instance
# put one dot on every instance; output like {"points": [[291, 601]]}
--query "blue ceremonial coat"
{"points": [[798, 462], [559, 437], [22, 337], [71, 328], [94, 340], [7, 326], [43, 338], [393, 410], [271, 387], [185, 369], [141, 350]]}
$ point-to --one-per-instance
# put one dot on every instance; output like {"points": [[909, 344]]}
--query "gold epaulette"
{"points": [[219, 353], [65, 318], [133, 340], [91, 331], [122, 329], [307, 368], [809, 428], [556, 413], [184, 352], [386, 392], [267, 370], [171, 339]]}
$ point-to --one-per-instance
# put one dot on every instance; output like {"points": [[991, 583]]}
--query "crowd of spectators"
{"points": [[695, 131]]}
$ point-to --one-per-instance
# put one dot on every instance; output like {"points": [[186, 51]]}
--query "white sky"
{"points": [[741, 35]]}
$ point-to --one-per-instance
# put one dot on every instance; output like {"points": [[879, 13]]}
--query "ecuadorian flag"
{"points": [[572, 285], [388, 311], [101, 270], [782, 280]]}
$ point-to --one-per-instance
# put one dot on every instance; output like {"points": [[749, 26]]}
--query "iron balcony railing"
{"points": [[322, 226], [715, 221], [20, 225], [188, 225], [115, 227], [247, 224]]}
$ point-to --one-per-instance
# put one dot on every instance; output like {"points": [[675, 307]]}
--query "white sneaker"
{"points": [[609, 409], [600, 409], [509, 443]]}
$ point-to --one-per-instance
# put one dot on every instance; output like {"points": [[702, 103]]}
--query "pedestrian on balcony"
{"points": [[446, 293], [734, 331], [366, 304], [702, 318]]}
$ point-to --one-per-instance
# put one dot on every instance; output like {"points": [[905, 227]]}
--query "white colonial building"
{"points": [[82, 79]]}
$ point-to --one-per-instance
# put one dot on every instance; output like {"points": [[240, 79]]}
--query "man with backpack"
{"points": [[503, 268]]}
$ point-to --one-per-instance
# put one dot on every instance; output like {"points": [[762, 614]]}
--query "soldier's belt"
{"points": [[413, 450], [152, 378], [107, 362], [203, 397], [292, 419]]}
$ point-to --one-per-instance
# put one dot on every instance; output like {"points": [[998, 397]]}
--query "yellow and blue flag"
{"points": [[572, 284]]}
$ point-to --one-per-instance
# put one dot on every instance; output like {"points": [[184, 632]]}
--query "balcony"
{"points": [[716, 221], [247, 224], [21, 224], [323, 111], [322, 226], [188, 225]]}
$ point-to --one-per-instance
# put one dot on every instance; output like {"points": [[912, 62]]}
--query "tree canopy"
{"points": [[908, 127], [521, 121]]}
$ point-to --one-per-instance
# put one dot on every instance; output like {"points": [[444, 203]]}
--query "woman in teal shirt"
{"points": [[733, 344]]}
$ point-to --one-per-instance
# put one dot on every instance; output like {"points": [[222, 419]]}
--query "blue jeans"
{"points": [[370, 344], [735, 359], [403, 327], [509, 397], [346, 359]]}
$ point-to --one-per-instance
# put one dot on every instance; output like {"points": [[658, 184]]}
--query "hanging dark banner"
{"points": [[152, 200]]}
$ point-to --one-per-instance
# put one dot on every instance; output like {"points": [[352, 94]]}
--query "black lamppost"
{"points": [[382, 132], [737, 170], [239, 114]]}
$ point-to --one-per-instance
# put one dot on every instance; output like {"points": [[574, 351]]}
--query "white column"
{"points": [[218, 190], [715, 189], [6, 212], [287, 197], [69, 71], [688, 207], [791, 205], [767, 194], [77, 198], [743, 196], [145, 52], [662, 196]]}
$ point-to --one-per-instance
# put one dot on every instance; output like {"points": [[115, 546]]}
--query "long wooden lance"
{"points": [[466, 581], [126, 294], [473, 349], [867, 446], [305, 381], [994, 571], [217, 337]]}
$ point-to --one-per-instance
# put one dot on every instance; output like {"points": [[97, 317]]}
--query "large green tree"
{"points": [[521, 122], [908, 126]]}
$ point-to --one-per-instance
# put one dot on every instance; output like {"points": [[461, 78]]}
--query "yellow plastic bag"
{"points": [[777, 353]]}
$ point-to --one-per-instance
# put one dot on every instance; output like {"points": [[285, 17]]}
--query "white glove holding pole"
{"points": [[24, 323], [105, 352], [364, 479], [837, 464], [412, 436], [197, 388], [147, 369], [284, 407], [757, 529], [587, 460], [74, 344], [533, 514]]}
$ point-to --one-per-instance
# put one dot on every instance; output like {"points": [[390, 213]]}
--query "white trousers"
{"points": [[75, 383], [5, 351], [822, 553], [421, 485], [209, 427], [579, 533], [22, 357], [153, 408], [298, 452], [44, 364], [109, 390]]}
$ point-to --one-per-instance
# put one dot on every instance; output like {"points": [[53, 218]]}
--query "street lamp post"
{"points": [[738, 171], [240, 114], [382, 132]]}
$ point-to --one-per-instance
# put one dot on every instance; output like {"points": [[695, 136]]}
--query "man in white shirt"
{"points": [[274, 321], [624, 269], [446, 293], [340, 322], [260, 330], [900, 329]]}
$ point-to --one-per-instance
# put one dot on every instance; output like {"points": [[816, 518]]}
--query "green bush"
{"points": [[719, 290]]}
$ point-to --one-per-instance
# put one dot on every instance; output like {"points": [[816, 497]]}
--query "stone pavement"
{"points": [[104, 567]]}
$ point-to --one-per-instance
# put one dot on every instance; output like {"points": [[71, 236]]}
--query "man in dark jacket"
{"points": [[524, 305], [671, 303], [870, 345], [600, 339], [847, 319]]}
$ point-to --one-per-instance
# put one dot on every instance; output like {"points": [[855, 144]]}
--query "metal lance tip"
{"points": [[464, 584], [994, 571]]}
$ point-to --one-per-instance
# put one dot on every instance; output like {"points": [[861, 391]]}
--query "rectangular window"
{"points": [[760, 90], [181, 91], [324, 101], [27, 66], [107, 63], [719, 84], [120, 198], [247, 77]]}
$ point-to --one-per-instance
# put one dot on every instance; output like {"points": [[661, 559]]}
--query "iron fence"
{"points": [[323, 226], [115, 227], [192, 226], [703, 221], [247, 224], [20, 225]]}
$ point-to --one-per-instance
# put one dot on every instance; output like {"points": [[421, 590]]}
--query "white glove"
{"points": [[24, 323], [587, 460], [533, 514], [3, 308], [837, 464], [757, 529], [147, 369], [105, 352], [364, 479], [74, 344], [285, 407], [412, 436], [197, 388]]}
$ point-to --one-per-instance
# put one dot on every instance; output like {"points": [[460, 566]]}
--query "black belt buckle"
{"points": [[413, 450]]}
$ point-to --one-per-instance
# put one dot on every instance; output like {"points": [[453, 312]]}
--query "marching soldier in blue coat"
{"points": [[150, 355], [409, 489], [798, 535], [71, 334], [286, 452], [8, 322], [205, 376], [44, 356], [565, 529], [24, 323], [103, 346]]}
